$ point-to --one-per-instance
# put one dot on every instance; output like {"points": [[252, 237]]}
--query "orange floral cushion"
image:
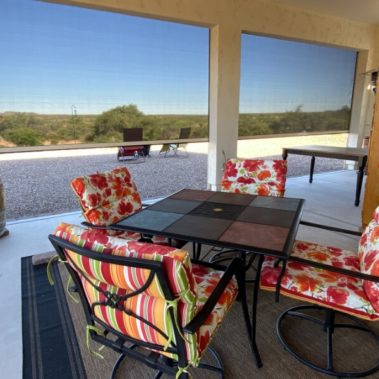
{"points": [[255, 177], [319, 286], [107, 197], [368, 254]]}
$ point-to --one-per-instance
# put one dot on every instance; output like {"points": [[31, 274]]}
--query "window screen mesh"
{"points": [[75, 75], [289, 87]]}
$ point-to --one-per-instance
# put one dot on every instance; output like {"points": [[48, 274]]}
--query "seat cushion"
{"points": [[368, 254], [319, 286], [206, 279], [256, 177], [107, 197]]}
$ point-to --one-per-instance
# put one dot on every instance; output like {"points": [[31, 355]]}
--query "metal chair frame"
{"points": [[126, 345], [328, 326], [328, 323], [173, 147]]}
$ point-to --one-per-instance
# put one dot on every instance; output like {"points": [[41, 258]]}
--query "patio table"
{"points": [[247, 223], [347, 153]]}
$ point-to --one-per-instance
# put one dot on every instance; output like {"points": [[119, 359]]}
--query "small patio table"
{"points": [[247, 223], [347, 153]]}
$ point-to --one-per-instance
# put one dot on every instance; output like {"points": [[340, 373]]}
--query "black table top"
{"points": [[265, 225]]}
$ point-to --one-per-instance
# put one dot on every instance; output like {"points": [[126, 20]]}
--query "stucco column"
{"points": [[225, 57], [359, 103]]}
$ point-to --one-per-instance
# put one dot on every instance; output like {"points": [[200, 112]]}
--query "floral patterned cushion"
{"points": [[368, 254], [191, 286], [107, 197], [256, 177], [120, 234], [207, 279], [319, 286]]}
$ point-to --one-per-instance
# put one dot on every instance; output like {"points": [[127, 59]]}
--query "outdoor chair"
{"points": [[146, 301], [133, 152], [255, 177], [264, 177], [335, 282], [173, 147], [109, 197]]}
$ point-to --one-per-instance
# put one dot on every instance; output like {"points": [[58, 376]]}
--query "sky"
{"points": [[58, 58]]}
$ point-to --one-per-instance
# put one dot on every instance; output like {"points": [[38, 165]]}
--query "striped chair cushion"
{"points": [[255, 177], [319, 286], [191, 285], [176, 262]]}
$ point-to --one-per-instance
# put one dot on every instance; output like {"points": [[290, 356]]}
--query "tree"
{"points": [[111, 123]]}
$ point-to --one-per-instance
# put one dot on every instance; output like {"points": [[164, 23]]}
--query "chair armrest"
{"points": [[354, 274], [331, 228], [234, 267]]}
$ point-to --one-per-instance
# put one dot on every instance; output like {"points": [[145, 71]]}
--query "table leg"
{"points": [[254, 312], [250, 326], [360, 176], [284, 154], [312, 169]]}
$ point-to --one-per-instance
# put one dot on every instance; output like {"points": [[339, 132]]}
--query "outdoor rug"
{"points": [[50, 347], [55, 342]]}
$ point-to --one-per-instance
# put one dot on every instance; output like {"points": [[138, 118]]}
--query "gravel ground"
{"points": [[35, 187]]}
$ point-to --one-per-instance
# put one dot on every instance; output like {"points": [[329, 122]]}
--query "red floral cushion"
{"points": [[207, 279], [256, 177], [107, 197], [368, 254], [319, 286]]}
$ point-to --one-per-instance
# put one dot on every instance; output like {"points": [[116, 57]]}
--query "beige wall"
{"points": [[227, 19], [258, 16]]}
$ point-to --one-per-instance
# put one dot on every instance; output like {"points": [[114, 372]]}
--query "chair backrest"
{"points": [[107, 197], [132, 134], [368, 254], [184, 133], [255, 176], [144, 292]]}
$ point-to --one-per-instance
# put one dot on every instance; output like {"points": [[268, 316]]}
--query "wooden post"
{"points": [[371, 198]]}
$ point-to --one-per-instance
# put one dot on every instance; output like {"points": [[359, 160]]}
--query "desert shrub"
{"points": [[23, 137]]}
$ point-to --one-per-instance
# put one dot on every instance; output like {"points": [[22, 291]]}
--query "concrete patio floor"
{"points": [[329, 200]]}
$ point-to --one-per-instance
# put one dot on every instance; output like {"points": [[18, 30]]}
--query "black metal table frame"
{"points": [[261, 252], [362, 160]]}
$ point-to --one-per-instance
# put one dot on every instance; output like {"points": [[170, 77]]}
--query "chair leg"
{"points": [[196, 251], [329, 326], [117, 365]]}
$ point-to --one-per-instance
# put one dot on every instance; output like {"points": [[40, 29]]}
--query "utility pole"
{"points": [[74, 114]]}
